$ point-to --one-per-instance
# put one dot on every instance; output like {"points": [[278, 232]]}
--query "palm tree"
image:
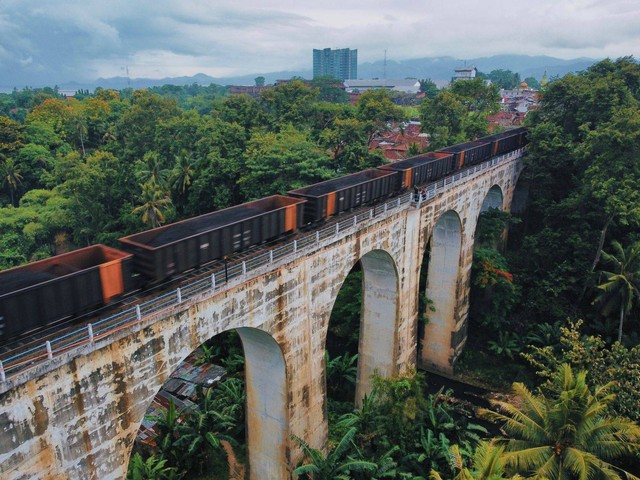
{"points": [[566, 435], [182, 174], [367, 420], [342, 372], [336, 465], [487, 464], [619, 292], [83, 130], [150, 170], [154, 201], [10, 175]]}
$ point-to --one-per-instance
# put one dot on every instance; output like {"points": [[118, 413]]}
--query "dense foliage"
{"points": [[584, 185], [77, 171], [459, 113]]}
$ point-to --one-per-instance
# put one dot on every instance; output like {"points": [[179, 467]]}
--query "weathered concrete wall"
{"points": [[77, 416]]}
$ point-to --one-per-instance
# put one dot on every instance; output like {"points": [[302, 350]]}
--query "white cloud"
{"points": [[82, 39]]}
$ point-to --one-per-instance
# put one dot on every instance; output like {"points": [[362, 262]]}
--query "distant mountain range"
{"points": [[436, 68]]}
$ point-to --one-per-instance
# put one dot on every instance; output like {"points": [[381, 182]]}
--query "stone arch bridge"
{"points": [[77, 414]]}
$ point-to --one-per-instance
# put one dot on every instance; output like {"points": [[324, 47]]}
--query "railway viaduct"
{"points": [[76, 415]]}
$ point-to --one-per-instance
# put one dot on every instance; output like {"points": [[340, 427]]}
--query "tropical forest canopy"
{"points": [[79, 171]]}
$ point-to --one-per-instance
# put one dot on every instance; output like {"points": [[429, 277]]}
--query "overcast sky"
{"points": [[64, 40]]}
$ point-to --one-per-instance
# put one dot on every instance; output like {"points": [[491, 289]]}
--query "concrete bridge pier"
{"points": [[266, 407], [442, 290], [377, 346]]}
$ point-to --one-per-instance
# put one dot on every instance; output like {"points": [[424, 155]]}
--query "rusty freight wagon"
{"points": [[331, 197], [470, 153], [43, 292], [423, 168], [171, 249], [507, 141]]}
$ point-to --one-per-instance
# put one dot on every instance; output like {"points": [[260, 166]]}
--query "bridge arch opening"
{"points": [[363, 322], [442, 264], [493, 199], [492, 294], [222, 410]]}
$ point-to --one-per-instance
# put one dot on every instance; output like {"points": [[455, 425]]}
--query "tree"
{"points": [[287, 103], [259, 81], [566, 434], [584, 180], [505, 78], [137, 126], [486, 464], [477, 96], [330, 89], [182, 174], [604, 363], [376, 110], [429, 88], [278, 162], [11, 135], [442, 119], [151, 170], [11, 176], [336, 464], [533, 83], [201, 433], [341, 375], [620, 290], [154, 204], [613, 176], [347, 141]]}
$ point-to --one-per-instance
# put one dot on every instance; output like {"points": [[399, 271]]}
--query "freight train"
{"points": [[42, 293]]}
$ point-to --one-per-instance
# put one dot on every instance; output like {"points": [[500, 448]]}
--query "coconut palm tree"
{"points": [[83, 131], [151, 170], [336, 465], [182, 173], [487, 464], [154, 202], [10, 175], [566, 435], [620, 290]]}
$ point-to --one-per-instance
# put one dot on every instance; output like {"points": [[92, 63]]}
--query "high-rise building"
{"points": [[341, 63]]}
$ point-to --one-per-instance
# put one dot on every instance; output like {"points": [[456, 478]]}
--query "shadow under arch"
{"points": [[436, 350], [493, 199], [266, 408]]}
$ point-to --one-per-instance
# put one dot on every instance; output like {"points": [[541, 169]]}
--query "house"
{"points": [[396, 142], [464, 73]]}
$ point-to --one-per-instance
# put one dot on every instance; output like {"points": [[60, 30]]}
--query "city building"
{"points": [[405, 86], [464, 73], [341, 63]]}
